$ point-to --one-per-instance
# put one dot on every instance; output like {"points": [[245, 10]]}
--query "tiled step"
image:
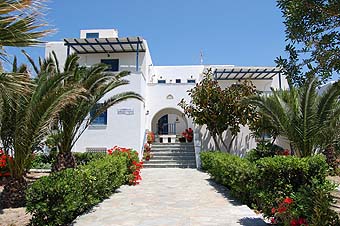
{"points": [[171, 151], [178, 157], [169, 166], [155, 161], [172, 155]]}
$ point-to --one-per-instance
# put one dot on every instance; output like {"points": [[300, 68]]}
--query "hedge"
{"points": [[267, 180], [59, 198], [83, 158], [231, 171]]}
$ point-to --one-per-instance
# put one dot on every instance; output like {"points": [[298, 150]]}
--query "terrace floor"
{"points": [[183, 197]]}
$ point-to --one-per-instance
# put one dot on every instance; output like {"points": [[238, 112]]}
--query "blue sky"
{"points": [[242, 32]]}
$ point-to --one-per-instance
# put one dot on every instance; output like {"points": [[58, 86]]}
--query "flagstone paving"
{"points": [[169, 197]]}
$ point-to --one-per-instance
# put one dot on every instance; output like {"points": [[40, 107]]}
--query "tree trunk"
{"points": [[64, 160], [330, 154], [231, 143], [13, 195], [217, 146], [223, 143]]}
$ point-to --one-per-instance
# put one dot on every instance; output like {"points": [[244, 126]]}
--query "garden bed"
{"points": [[18, 216]]}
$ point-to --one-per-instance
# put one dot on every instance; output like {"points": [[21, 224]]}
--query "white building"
{"points": [[162, 87]]}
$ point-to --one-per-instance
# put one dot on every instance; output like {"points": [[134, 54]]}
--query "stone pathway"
{"points": [[169, 197]]}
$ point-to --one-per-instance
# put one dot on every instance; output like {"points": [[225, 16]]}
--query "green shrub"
{"points": [[83, 158], [262, 150], [281, 176], [231, 171], [59, 198], [267, 181], [314, 202], [40, 161]]}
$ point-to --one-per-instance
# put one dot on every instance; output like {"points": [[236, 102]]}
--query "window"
{"points": [[191, 81], [112, 63], [161, 81], [92, 35], [101, 119], [178, 80]]}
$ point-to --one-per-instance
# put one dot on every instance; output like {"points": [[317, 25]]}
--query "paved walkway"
{"points": [[168, 197]]}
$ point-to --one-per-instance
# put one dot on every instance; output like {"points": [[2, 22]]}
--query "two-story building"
{"points": [[162, 88]]}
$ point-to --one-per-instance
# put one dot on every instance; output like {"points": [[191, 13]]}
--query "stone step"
{"points": [[173, 154], [153, 161], [172, 149], [172, 145], [176, 157], [169, 166]]}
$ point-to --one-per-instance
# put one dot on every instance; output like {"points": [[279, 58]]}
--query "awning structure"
{"points": [[241, 73], [105, 45]]}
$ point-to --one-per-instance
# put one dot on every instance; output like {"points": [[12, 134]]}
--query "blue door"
{"points": [[163, 125]]}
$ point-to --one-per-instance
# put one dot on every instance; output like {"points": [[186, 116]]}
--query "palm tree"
{"points": [[310, 121], [19, 21], [31, 114], [74, 119]]}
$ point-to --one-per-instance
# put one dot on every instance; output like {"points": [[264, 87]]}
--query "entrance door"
{"points": [[163, 125]]}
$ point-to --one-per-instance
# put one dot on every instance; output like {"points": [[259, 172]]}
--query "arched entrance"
{"points": [[169, 121]]}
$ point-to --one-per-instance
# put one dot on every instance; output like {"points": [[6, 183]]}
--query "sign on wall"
{"points": [[125, 111]]}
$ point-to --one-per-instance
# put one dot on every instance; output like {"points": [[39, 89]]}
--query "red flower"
{"points": [[288, 200], [273, 210], [273, 220], [282, 209], [294, 222], [303, 221]]}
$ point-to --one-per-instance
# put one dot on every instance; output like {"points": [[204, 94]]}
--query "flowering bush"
{"points": [[286, 214], [5, 161], [150, 137], [133, 162], [147, 152], [188, 134]]}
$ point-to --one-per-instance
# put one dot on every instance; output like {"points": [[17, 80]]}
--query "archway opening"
{"points": [[169, 121]]}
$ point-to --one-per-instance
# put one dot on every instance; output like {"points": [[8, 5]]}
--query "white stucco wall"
{"points": [[125, 130], [157, 100], [60, 49], [103, 33], [168, 95]]}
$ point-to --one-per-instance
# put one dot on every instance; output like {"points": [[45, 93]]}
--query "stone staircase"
{"points": [[172, 155]]}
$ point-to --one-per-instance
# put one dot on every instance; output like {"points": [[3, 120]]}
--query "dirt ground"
{"points": [[17, 216]]}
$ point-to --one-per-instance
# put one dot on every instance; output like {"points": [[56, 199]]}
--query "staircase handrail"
{"points": [[144, 141]]}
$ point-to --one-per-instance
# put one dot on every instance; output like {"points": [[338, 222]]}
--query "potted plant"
{"points": [[182, 139], [150, 137], [147, 152], [188, 134]]}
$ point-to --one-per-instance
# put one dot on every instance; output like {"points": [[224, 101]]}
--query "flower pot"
{"points": [[147, 158], [181, 139]]}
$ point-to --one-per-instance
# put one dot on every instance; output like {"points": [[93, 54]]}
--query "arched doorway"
{"points": [[169, 121]]}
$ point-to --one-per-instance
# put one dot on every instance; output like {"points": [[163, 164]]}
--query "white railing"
{"points": [[144, 141]]}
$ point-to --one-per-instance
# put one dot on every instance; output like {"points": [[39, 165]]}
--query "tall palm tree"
{"points": [[31, 115], [310, 121], [74, 119]]}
